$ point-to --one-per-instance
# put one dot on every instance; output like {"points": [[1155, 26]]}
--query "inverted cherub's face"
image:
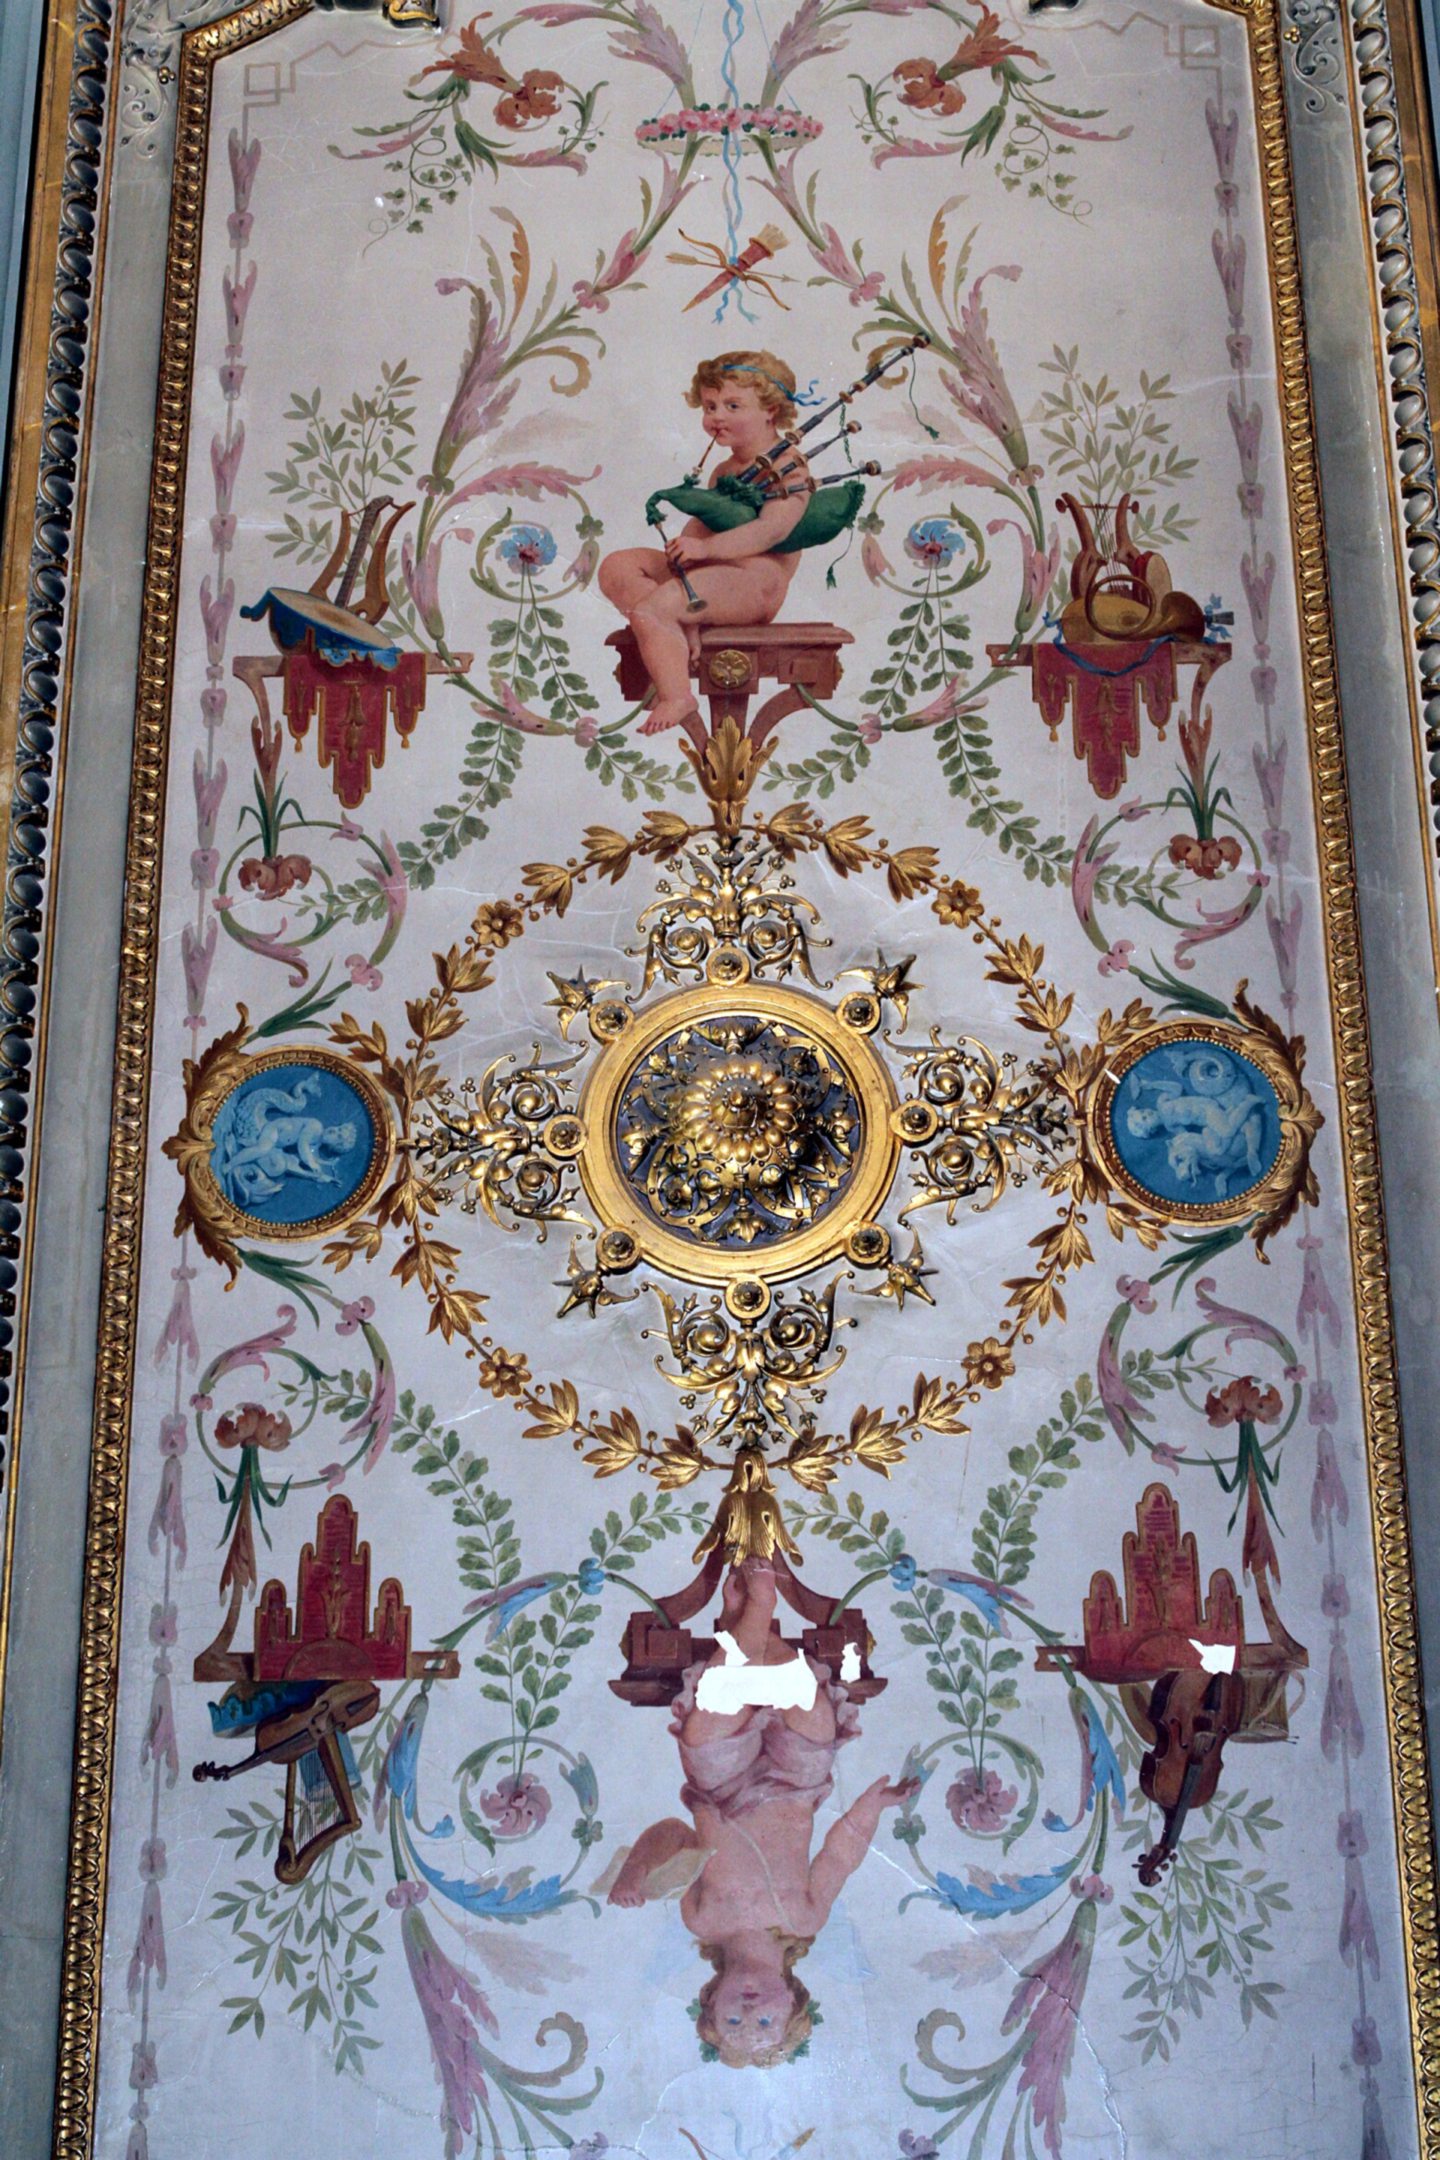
{"points": [[734, 417], [751, 2011]]}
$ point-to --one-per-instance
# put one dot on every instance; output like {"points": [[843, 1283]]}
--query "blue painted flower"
{"points": [[592, 1576], [528, 547], [903, 1572], [933, 541]]}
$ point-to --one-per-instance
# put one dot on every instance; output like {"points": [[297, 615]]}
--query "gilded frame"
{"points": [[77, 2061]]}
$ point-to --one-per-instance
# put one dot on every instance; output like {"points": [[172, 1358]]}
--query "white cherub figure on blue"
{"points": [[291, 1143], [1197, 1123]]}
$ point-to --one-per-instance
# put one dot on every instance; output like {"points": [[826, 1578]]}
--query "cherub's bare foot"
{"points": [[692, 641], [661, 1842], [669, 712]]}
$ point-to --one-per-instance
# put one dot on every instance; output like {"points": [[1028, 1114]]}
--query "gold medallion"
{"points": [[738, 1132]]}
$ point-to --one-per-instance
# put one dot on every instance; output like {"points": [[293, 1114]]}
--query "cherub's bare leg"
{"points": [[630, 575], [749, 591], [661, 1842]]}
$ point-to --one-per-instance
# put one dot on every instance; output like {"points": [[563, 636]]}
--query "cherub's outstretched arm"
{"points": [[847, 1844]]}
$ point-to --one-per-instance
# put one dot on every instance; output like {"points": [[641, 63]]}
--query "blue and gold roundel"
{"points": [[1195, 1124], [293, 1143]]}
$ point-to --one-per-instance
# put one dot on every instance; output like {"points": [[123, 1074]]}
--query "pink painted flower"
{"points": [[354, 1316], [979, 1802], [1137, 1294], [1093, 1887], [252, 1426], [363, 974], [1121, 1404], [980, 389], [481, 398], [522, 716], [270, 877], [1116, 961], [393, 884], [1166, 1455], [517, 1805], [1242, 1402], [870, 729], [149, 1952]]}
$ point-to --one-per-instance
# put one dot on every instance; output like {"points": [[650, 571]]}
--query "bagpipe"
{"points": [[737, 498]]}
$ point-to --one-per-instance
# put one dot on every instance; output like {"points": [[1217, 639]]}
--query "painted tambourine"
{"points": [[285, 1144], [1205, 1122]]}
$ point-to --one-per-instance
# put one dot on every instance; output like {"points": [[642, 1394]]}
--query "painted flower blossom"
{"points": [[934, 541], [1205, 858], [979, 1802], [535, 97], [252, 1426], [518, 1805], [1243, 1402], [270, 877], [529, 547], [363, 973]]}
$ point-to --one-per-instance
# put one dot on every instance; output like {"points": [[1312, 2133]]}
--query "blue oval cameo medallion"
{"points": [[1195, 1124], [293, 1143]]}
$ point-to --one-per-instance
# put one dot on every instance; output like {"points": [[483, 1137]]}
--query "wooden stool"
{"points": [[804, 657]]}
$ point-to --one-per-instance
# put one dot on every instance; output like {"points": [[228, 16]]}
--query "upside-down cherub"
{"points": [[746, 400], [755, 1772]]}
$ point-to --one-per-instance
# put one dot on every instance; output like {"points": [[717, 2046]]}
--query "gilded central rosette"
{"points": [[729, 1132], [738, 1129]]}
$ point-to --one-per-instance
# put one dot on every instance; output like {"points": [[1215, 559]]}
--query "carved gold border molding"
{"points": [[1410, 1778], [80, 2007], [78, 2056]]}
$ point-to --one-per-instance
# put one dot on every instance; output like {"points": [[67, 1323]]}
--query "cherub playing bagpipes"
{"points": [[734, 559]]}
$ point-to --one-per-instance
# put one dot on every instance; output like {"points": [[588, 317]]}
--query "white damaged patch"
{"points": [[1215, 1657], [739, 1685]]}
